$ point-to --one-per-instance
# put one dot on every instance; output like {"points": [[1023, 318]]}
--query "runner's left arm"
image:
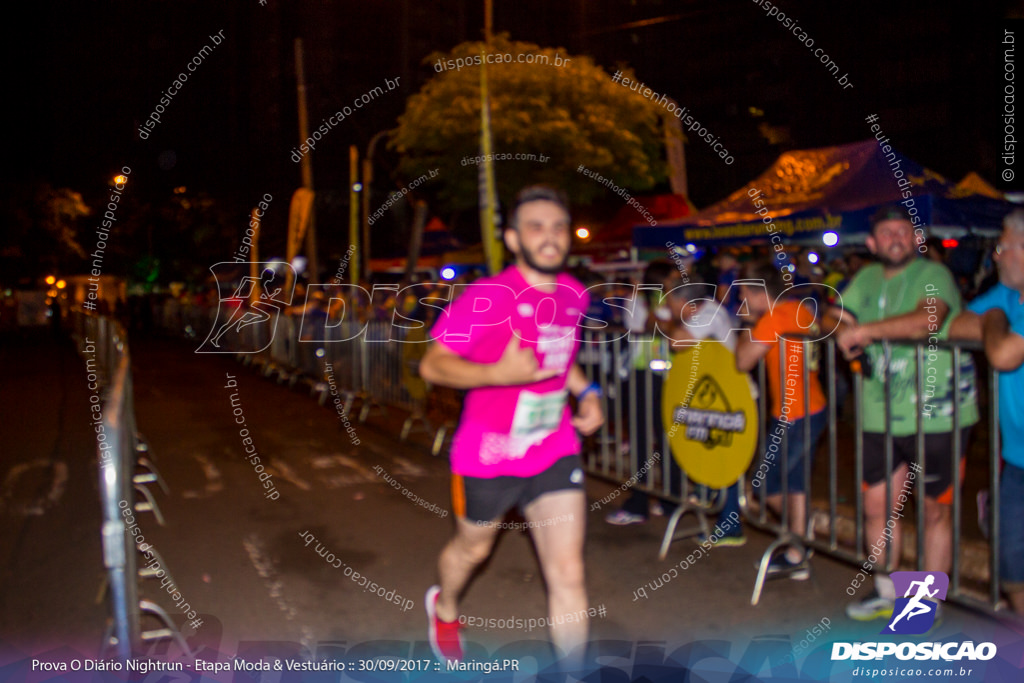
{"points": [[589, 416]]}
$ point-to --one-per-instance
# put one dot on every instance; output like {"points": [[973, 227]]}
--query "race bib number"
{"points": [[537, 415]]}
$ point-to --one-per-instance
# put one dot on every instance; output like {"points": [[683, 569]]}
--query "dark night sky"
{"points": [[81, 77]]}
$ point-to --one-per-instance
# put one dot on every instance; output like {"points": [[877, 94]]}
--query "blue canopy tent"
{"points": [[809, 192]]}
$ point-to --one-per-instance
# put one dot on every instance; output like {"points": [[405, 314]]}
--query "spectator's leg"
{"points": [[938, 535], [875, 509]]}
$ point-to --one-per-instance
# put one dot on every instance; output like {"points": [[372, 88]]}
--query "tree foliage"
{"points": [[42, 224], [573, 114]]}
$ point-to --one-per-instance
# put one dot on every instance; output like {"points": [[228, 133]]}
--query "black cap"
{"points": [[890, 212]]}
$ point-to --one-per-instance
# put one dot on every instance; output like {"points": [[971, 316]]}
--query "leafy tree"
{"points": [[43, 225], [574, 114]]}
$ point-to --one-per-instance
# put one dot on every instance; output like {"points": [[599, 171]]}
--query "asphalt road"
{"points": [[241, 560]]}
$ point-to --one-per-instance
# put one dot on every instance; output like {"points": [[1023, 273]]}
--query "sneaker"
{"points": [[733, 540], [657, 510], [874, 606], [781, 566], [624, 518], [445, 640]]}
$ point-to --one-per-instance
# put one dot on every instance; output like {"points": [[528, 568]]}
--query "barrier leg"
{"points": [[439, 437], [149, 505], [673, 521], [168, 631], [783, 542], [418, 415], [152, 475]]}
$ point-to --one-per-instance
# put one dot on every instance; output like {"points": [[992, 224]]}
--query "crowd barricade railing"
{"points": [[631, 370], [833, 516], [282, 359], [103, 344], [371, 362], [343, 369], [809, 361], [392, 355], [373, 367], [834, 526], [415, 391], [375, 363], [309, 352]]}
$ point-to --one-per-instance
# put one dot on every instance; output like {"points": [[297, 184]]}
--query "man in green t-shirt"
{"points": [[905, 297]]}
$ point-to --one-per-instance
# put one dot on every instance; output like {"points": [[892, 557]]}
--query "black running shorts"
{"points": [[487, 500]]}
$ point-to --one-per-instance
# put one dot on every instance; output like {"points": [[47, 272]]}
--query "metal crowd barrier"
{"points": [[834, 513], [347, 363], [392, 363], [989, 597], [372, 362], [124, 469], [382, 373], [632, 407]]}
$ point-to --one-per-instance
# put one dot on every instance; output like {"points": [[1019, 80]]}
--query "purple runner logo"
{"points": [[914, 613], [241, 315]]}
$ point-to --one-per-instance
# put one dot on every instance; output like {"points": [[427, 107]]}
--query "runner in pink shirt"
{"points": [[511, 340]]}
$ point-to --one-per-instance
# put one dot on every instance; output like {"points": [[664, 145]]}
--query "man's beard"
{"points": [[892, 265], [547, 270]]}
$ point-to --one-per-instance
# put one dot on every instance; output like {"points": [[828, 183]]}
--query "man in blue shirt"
{"points": [[996, 318]]}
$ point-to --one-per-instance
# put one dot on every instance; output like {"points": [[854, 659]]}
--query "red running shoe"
{"points": [[445, 640]]}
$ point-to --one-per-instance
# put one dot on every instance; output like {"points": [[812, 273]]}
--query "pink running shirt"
{"points": [[519, 430]]}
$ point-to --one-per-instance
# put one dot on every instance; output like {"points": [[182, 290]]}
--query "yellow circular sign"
{"points": [[709, 414]]}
